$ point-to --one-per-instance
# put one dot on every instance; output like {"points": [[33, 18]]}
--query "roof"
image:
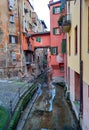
{"points": [[53, 2]]}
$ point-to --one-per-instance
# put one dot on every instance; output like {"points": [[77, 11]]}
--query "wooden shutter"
{"points": [[38, 39], [54, 31], [53, 10], [63, 46]]}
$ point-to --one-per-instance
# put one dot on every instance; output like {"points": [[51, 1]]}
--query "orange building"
{"points": [[57, 40], [54, 41], [10, 58]]}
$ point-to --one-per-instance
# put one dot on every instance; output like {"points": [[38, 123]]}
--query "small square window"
{"points": [[56, 31], [13, 39], [56, 10], [12, 18], [54, 50]]}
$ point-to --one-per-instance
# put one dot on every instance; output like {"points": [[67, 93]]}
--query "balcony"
{"points": [[60, 20], [66, 24], [69, 0]]}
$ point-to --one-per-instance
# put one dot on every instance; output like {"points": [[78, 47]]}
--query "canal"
{"points": [[60, 118]]}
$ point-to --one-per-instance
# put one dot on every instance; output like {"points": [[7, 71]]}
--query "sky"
{"points": [[42, 10]]}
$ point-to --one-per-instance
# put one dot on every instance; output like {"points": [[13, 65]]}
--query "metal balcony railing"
{"points": [[66, 23], [69, 0]]}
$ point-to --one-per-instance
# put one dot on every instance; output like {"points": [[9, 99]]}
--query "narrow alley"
{"points": [[61, 118]]}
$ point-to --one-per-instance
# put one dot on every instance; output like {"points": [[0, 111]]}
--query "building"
{"points": [[10, 58], [57, 58], [76, 24], [16, 23], [31, 25]]}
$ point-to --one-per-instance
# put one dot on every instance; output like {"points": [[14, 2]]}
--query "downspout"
{"points": [[19, 24], [81, 65]]}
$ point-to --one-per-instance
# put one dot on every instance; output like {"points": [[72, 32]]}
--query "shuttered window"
{"points": [[56, 10], [63, 46], [54, 50], [69, 45], [88, 29], [56, 31], [76, 40], [38, 39]]}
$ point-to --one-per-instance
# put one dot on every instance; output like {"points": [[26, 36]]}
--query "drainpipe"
{"points": [[81, 65], [19, 33]]}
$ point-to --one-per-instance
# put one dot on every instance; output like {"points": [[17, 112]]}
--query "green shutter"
{"points": [[56, 50], [51, 50], [53, 10], [61, 9], [63, 46], [38, 39], [54, 31]]}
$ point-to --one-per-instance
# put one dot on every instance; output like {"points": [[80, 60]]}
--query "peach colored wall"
{"points": [[56, 40], [45, 40], [24, 42]]}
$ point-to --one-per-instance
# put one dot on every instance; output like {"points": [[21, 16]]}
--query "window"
{"points": [[38, 39], [63, 46], [61, 68], [88, 29], [56, 31], [88, 90], [69, 45], [13, 39], [56, 10], [25, 9], [54, 50], [30, 14], [76, 40], [12, 18]]}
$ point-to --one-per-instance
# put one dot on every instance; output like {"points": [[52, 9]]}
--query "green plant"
{"points": [[4, 118], [60, 20]]}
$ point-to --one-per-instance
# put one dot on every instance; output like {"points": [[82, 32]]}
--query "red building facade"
{"points": [[57, 58], [54, 41]]}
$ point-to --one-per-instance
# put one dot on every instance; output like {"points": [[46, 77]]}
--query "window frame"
{"points": [[56, 31], [88, 31], [54, 50], [12, 19], [76, 40], [69, 45], [38, 39], [13, 39], [56, 9]]}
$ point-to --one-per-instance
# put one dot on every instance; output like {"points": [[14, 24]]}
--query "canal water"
{"points": [[60, 118]]}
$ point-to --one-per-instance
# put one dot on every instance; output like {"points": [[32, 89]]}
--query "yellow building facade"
{"points": [[77, 59]]}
